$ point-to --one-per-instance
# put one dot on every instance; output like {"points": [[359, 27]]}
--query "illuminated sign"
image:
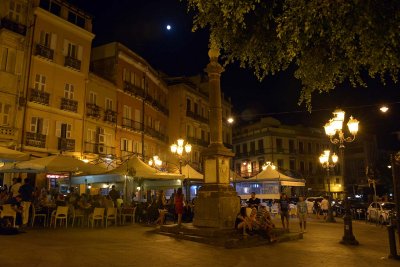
{"points": [[57, 176]]}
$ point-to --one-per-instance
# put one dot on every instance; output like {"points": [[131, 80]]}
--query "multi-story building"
{"points": [[142, 104], [13, 49], [57, 74], [189, 115]]}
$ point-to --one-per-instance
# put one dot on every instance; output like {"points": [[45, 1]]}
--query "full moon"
{"points": [[169, 27]]}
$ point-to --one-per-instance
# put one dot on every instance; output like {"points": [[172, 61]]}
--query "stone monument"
{"points": [[217, 203]]}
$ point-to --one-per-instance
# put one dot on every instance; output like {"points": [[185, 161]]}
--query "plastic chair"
{"points": [[61, 213], [8, 211], [130, 214], [74, 215], [111, 214], [97, 215], [38, 215]]}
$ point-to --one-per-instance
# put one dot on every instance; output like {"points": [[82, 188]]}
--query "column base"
{"points": [[217, 206]]}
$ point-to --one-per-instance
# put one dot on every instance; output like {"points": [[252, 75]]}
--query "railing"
{"points": [[195, 116], [160, 107], [196, 141], [13, 26], [44, 51], [100, 149], [40, 97], [92, 110], [69, 104], [131, 124], [35, 139], [7, 131], [72, 62], [156, 134], [133, 89], [65, 144], [110, 116]]}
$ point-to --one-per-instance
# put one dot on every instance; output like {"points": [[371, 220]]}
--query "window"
{"points": [[40, 82], [302, 168], [196, 107], [45, 39], [101, 135], [8, 59], [244, 148], [69, 91], [279, 145], [291, 146], [292, 164], [92, 98], [189, 131], [72, 50], [14, 12], [188, 104], [203, 135], [280, 163], [63, 130], [309, 148], [91, 136], [252, 146], [4, 113], [76, 19], [261, 146], [157, 125], [310, 167], [39, 125], [127, 112], [301, 147], [237, 148], [109, 104]]}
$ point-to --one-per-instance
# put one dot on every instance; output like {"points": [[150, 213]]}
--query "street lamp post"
{"points": [[180, 149], [328, 161], [333, 128]]}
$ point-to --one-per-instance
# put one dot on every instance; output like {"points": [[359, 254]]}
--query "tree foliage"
{"points": [[328, 41]]}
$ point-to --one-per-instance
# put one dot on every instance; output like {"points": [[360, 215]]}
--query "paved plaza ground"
{"points": [[136, 245]]}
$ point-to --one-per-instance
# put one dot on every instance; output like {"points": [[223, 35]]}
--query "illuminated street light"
{"points": [[334, 129], [268, 164], [384, 109], [181, 150], [155, 161], [329, 161]]}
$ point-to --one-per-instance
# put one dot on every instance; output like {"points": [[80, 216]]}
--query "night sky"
{"points": [[141, 26]]}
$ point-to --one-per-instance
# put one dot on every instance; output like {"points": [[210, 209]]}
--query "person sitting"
{"points": [[265, 223], [242, 222], [253, 201], [161, 204]]}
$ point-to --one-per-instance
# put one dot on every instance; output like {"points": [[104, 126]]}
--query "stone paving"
{"points": [[136, 245]]}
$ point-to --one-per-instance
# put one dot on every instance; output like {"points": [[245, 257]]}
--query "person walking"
{"points": [[325, 207], [302, 214], [179, 202]]}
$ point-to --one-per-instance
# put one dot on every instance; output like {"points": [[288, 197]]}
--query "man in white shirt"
{"points": [[14, 190], [324, 207]]}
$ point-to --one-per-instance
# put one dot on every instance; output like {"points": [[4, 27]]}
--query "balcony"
{"points": [[196, 141], [131, 124], [65, 144], [44, 51], [69, 105], [160, 107], [93, 110], [156, 134], [13, 26], [72, 62], [110, 116], [133, 89], [195, 116], [35, 139], [97, 148], [7, 131], [39, 96]]}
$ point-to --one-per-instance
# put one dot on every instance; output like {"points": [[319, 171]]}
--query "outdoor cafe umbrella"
{"points": [[57, 163], [10, 155]]}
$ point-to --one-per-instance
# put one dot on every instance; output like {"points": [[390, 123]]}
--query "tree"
{"points": [[328, 42]]}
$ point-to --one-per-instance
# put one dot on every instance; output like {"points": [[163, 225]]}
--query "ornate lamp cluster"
{"points": [[335, 126]]}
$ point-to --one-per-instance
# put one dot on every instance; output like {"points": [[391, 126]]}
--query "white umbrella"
{"points": [[10, 155]]}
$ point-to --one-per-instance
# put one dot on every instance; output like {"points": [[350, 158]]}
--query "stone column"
{"points": [[217, 203]]}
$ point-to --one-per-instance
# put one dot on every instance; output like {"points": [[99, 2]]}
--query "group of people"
{"points": [[255, 218]]}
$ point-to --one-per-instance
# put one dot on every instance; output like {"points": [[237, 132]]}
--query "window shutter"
{"points": [[58, 128], [80, 52], [53, 41], [45, 129]]}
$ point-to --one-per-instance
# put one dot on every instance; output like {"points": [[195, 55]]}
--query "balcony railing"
{"points": [[110, 116], [100, 149], [92, 110], [35, 139], [65, 144], [156, 134], [196, 141], [131, 124], [44, 51], [133, 89], [40, 97], [72, 62], [7, 131], [195, 116], [13, 26], [69, 104]]}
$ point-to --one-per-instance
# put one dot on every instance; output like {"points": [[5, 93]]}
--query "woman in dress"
{"points": [[179, 202]]}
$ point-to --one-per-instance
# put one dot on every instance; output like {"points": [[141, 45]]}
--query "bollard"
{"points": [[392, 242]]}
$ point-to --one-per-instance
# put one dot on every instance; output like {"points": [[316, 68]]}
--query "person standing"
{"points": [[114, 195], [26, 190], [284, 211], [179, 202], [253, 201], [302, 214], [14, 189], [325, 207]]}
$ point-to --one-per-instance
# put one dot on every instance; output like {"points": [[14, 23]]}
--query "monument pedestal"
{"points": [[217, 206]]}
